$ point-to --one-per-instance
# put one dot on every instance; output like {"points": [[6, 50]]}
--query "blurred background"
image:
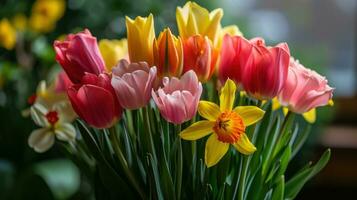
{"points": [[320, 33]]}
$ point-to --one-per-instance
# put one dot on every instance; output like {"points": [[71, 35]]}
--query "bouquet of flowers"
{"points": [[206, 114]]}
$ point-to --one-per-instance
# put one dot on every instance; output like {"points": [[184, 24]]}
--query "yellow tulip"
{"points": [[193, 19], [168, 54], [7, 35], [39, 23], [141, 35], [228, 125], [112, 51]]}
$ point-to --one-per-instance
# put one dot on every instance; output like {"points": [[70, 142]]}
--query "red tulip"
{"points": [[231, 63], [260, 69], [199, 56], [94, 100], [79, 54], [266, 69]]}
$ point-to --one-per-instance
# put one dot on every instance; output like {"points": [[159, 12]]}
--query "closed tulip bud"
{"points": [[133, 83], [141, 35], [199, 56], [178, 99], [168, 54], [234, 53], [79, 54], [304, 89], [266, 69], [193, 19], [94, 100]]}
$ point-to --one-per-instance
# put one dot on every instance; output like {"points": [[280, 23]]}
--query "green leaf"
{"points": [[295, 184], [278, 192], [300, 140], [155, 173], [273, 136]]}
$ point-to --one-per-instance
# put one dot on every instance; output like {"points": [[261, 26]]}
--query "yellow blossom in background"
{"points": [[7, 35], [45, 14], [141, 35], [20, 22], [193, 19], [112, 51], [53, 10], [225, 125]]}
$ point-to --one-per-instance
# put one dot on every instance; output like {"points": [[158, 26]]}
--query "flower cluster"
{"points": [[110, 76]]}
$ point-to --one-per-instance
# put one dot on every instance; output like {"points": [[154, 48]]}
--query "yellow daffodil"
{"points": [[7, 35], [193, 19], [20, 22], [112, 51], [227, 125], [141, 35], [54, 122]]}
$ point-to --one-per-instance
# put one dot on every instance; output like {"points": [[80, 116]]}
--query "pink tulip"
{"points": [[94, 100], [178, 99], [133, 83], [304, 89], [266, 69], [62, 82], [231, 65], [79, 54]]}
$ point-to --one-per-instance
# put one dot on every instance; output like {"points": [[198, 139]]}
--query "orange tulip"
{"points": [[168, 54], [200, 56]]}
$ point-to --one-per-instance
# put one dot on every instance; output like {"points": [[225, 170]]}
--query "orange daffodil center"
{"points": [[227, 125]]}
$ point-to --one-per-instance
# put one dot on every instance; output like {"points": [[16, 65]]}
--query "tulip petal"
{"points": [[310, 116], [41, 139], [227, 96], [65, 132], [249, 114], [215, 150], [244, 146], [209, 110], [197, 130]]}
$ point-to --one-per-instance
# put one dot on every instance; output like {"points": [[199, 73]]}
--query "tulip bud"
{"points": [[178, 99], [94, 101], [304, 89], [193, 19], [200, 56], [133, 83], [141, 35], [168, 54], [79, 54]]}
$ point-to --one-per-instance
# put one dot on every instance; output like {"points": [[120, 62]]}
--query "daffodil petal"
{"points": [[310, 116], [208, 110], [244, 146], [285, 110], [227, 96], [65, 132], [197, 130], [249, 114], [41, 139], [215, 150]]}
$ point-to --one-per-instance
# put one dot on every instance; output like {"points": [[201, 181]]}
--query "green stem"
{"points": [[121, 158], [150, 142], [242, 178], [179, 162]]}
